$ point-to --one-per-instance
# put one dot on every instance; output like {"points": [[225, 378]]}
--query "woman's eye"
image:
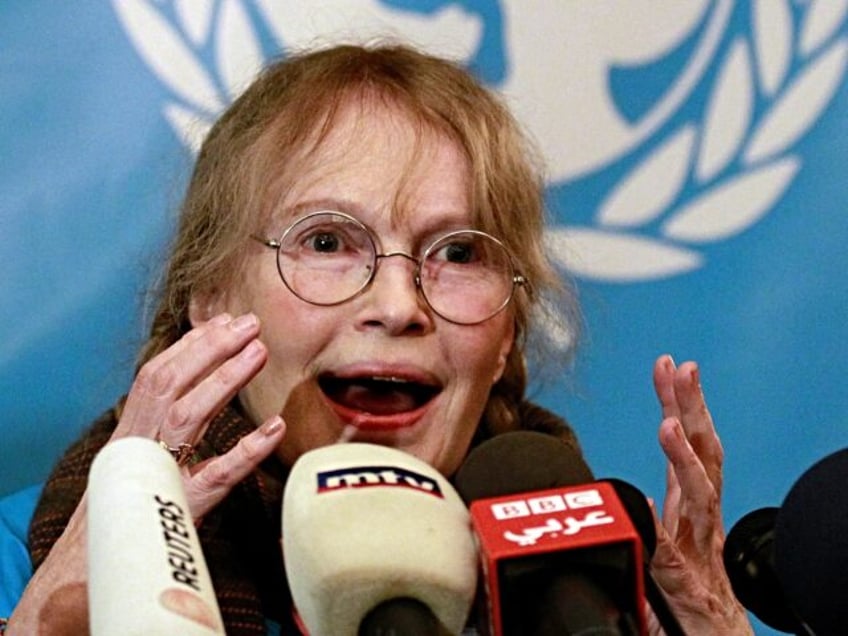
{"points": [[457, 253], [324, 242]]}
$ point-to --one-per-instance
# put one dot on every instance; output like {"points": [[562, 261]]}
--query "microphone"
{"points": [[146, 570], [789, 565], [811, 545], [748, 557], [402, 617], [376, 542], [560, 552], [642, 517]]}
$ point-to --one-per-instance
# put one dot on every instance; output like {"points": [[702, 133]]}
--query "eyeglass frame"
{"points": [[517, 279]]}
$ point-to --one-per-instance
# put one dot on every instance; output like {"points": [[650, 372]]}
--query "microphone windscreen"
{"points": [[811, 545], [146, 571], [363, 524], [519, 461], [748, 556]]}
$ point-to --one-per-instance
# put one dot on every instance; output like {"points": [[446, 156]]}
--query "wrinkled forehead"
{"points": [[347, 143]]}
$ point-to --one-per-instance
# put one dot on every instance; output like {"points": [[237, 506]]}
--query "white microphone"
{"points": [[146, 571], [364, 525]]}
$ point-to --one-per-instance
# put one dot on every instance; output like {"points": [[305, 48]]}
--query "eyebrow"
{"points": [[329, 204], [434, 223]]}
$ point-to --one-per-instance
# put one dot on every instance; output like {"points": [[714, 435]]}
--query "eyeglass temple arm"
{"points": [[273, 243]]}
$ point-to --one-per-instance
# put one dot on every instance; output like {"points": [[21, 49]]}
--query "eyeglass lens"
{"points": [[327, 258]]}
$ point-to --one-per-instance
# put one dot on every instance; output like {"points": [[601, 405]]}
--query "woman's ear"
{"points": [[203, 307], [503, 355]]}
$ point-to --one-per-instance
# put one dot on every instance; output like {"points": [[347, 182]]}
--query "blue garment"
{"points": [[15, 567]]}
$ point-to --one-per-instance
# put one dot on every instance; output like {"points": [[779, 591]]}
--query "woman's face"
{"points": [[381, 367]]}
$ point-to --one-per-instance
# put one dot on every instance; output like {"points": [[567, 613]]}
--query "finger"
{"points": [[211, 481], [168, 375], [195, 333], [664, 370], [698, 508], [188, 418], [671, 501], [697, 421]]}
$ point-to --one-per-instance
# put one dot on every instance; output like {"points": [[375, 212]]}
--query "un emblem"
{"points": [[711, 155]]}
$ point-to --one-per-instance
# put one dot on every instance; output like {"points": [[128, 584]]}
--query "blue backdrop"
{"points": [[696, 188]]}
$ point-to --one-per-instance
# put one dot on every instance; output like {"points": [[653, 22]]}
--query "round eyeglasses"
{"points": [[326, 258]]}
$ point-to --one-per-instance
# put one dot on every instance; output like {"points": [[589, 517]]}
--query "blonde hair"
{"points": [[290, 105]]}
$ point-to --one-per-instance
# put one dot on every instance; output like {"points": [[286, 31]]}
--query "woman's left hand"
{"points": [[688, 563]]}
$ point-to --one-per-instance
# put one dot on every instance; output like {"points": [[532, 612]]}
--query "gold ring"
{"points": [[182, 454]]}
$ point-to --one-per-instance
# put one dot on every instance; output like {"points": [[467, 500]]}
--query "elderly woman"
{"points": [[358, 259]]}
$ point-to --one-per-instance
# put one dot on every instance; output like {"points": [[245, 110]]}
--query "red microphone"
{"points": [[557, 559], [579, 539]]}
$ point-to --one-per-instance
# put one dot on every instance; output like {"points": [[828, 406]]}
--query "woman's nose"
{"points": [[393, 301]]}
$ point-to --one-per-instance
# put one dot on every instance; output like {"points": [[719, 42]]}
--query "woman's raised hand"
{"points": [[688, 562], [173, 399], [177, 394]]}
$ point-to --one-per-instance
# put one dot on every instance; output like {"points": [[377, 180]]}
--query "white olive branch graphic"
{"points": [[709, 180], [703, 181]]}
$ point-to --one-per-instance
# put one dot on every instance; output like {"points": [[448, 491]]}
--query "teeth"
{"points": [[388, 378]]}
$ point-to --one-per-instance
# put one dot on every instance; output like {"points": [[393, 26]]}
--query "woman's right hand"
{"points": [[174, 398], [176, 395]]}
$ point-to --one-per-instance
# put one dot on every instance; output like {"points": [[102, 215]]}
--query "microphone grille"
{"points": [[811, 544], [748, 556], [520, 461]]}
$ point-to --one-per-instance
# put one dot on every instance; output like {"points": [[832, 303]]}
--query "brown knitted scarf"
{"points": [[240, 538]]}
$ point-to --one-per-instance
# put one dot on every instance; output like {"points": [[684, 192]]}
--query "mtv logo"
{"points": [[376, 476]]}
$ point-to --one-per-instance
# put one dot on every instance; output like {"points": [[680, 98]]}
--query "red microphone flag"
{"points": [[559, 520]]}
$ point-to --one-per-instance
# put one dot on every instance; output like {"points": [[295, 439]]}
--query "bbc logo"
{"points": [[547, 504]]}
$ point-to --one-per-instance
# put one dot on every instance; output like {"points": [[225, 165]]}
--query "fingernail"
{"points": [[221, 319], [244, 322], [254, 349], [695, 377], [272, 426]]}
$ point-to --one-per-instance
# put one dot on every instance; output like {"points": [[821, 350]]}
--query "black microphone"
{"points": [[642, 517], [749, 562], [811, 545], [402, 617], [561, 555], [789, 565]]}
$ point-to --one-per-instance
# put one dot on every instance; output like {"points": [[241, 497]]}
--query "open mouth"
{"points": [[377, 395]]}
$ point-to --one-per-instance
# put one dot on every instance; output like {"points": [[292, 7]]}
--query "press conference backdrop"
{"points": [[697, 184]]}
